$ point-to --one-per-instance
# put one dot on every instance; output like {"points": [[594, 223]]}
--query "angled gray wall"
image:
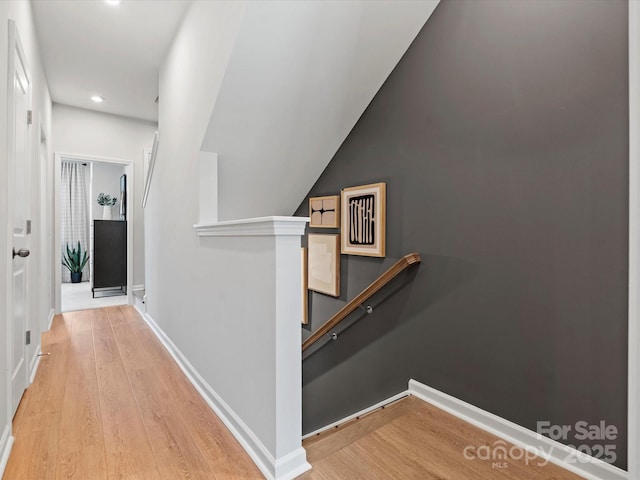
{"points": [[503, 138]]}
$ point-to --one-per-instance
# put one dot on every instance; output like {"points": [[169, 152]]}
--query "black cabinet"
{"points": [[109, 255]]}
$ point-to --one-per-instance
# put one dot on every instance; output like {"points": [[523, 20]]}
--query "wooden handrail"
{"points": [[377, 284]]}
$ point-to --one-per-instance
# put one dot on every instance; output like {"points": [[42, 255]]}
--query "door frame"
{"points": [[46, 227], [57, 249]]}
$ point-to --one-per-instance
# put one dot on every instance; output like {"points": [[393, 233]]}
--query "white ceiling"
{"points": [[90, 47]]}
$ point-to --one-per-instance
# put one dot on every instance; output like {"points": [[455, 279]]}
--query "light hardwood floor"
{"points": [[110, 403], [411, 439]]}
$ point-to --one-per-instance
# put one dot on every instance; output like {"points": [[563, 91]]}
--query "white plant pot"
{"points": [[106, 212]]}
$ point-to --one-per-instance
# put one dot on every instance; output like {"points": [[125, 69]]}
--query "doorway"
{"points": [[94, 176]]}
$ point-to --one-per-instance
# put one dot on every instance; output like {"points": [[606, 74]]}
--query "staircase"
{"points": [[410, 438]]}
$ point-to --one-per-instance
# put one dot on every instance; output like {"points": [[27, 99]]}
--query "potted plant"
{"points": [[106, 201], [75, 261]]}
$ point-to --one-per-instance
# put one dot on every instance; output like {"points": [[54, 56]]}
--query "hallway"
{"points": [[109, 402]]}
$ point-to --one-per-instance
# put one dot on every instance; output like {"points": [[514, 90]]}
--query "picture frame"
{"points": [[363, 213], [324, 212], [324, 263]]}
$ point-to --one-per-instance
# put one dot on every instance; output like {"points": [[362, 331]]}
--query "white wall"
{"points": [[300, 76], [216, 298], [84, 132], [39, 304], [189, 81]]}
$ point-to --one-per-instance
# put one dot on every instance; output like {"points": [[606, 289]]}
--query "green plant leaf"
{"points": [[75, 259]]}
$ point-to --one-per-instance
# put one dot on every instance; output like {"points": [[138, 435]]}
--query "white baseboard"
{"points": [[34, 364], [6, 442], [35, 360], [284, 468], [389, 400], [142, 314], [290, 466], [140, 306], [556, 452]]}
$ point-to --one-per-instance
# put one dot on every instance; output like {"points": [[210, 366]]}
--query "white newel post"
{"points": [[277, 450]]}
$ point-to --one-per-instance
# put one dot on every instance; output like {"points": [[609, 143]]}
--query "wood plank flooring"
{"points": [[110, 403], [411, 439]]}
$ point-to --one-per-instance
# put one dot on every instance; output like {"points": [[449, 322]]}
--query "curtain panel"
{"points": [[75, 220]]}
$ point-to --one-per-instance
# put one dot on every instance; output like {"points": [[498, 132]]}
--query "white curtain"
{"points": [[75, 221]]}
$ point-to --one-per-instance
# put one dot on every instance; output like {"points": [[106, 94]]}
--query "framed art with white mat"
{"points": [[363, 213]]}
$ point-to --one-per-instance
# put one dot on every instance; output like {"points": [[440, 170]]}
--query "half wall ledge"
{"points": [[251, 227]]}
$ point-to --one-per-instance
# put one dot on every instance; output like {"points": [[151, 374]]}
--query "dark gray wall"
{"points": [[503, 138]]}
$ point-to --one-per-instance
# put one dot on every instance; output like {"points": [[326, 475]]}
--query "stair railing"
{"points": [[362, 297]]}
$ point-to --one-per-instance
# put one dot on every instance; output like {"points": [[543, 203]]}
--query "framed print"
{"points": [[324, 264], [305, 292], [324, 212], [364, 220]]}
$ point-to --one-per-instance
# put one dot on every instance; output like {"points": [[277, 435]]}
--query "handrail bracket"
{"points": [[368, 309]]}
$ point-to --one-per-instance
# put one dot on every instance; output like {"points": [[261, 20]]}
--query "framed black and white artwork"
{"points": [[363, 212]]}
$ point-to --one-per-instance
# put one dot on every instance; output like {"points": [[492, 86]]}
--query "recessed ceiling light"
{"points": [[112, 2], [97, 98]]}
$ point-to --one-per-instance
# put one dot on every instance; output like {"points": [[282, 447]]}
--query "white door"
{"points": [[19, 191]]}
